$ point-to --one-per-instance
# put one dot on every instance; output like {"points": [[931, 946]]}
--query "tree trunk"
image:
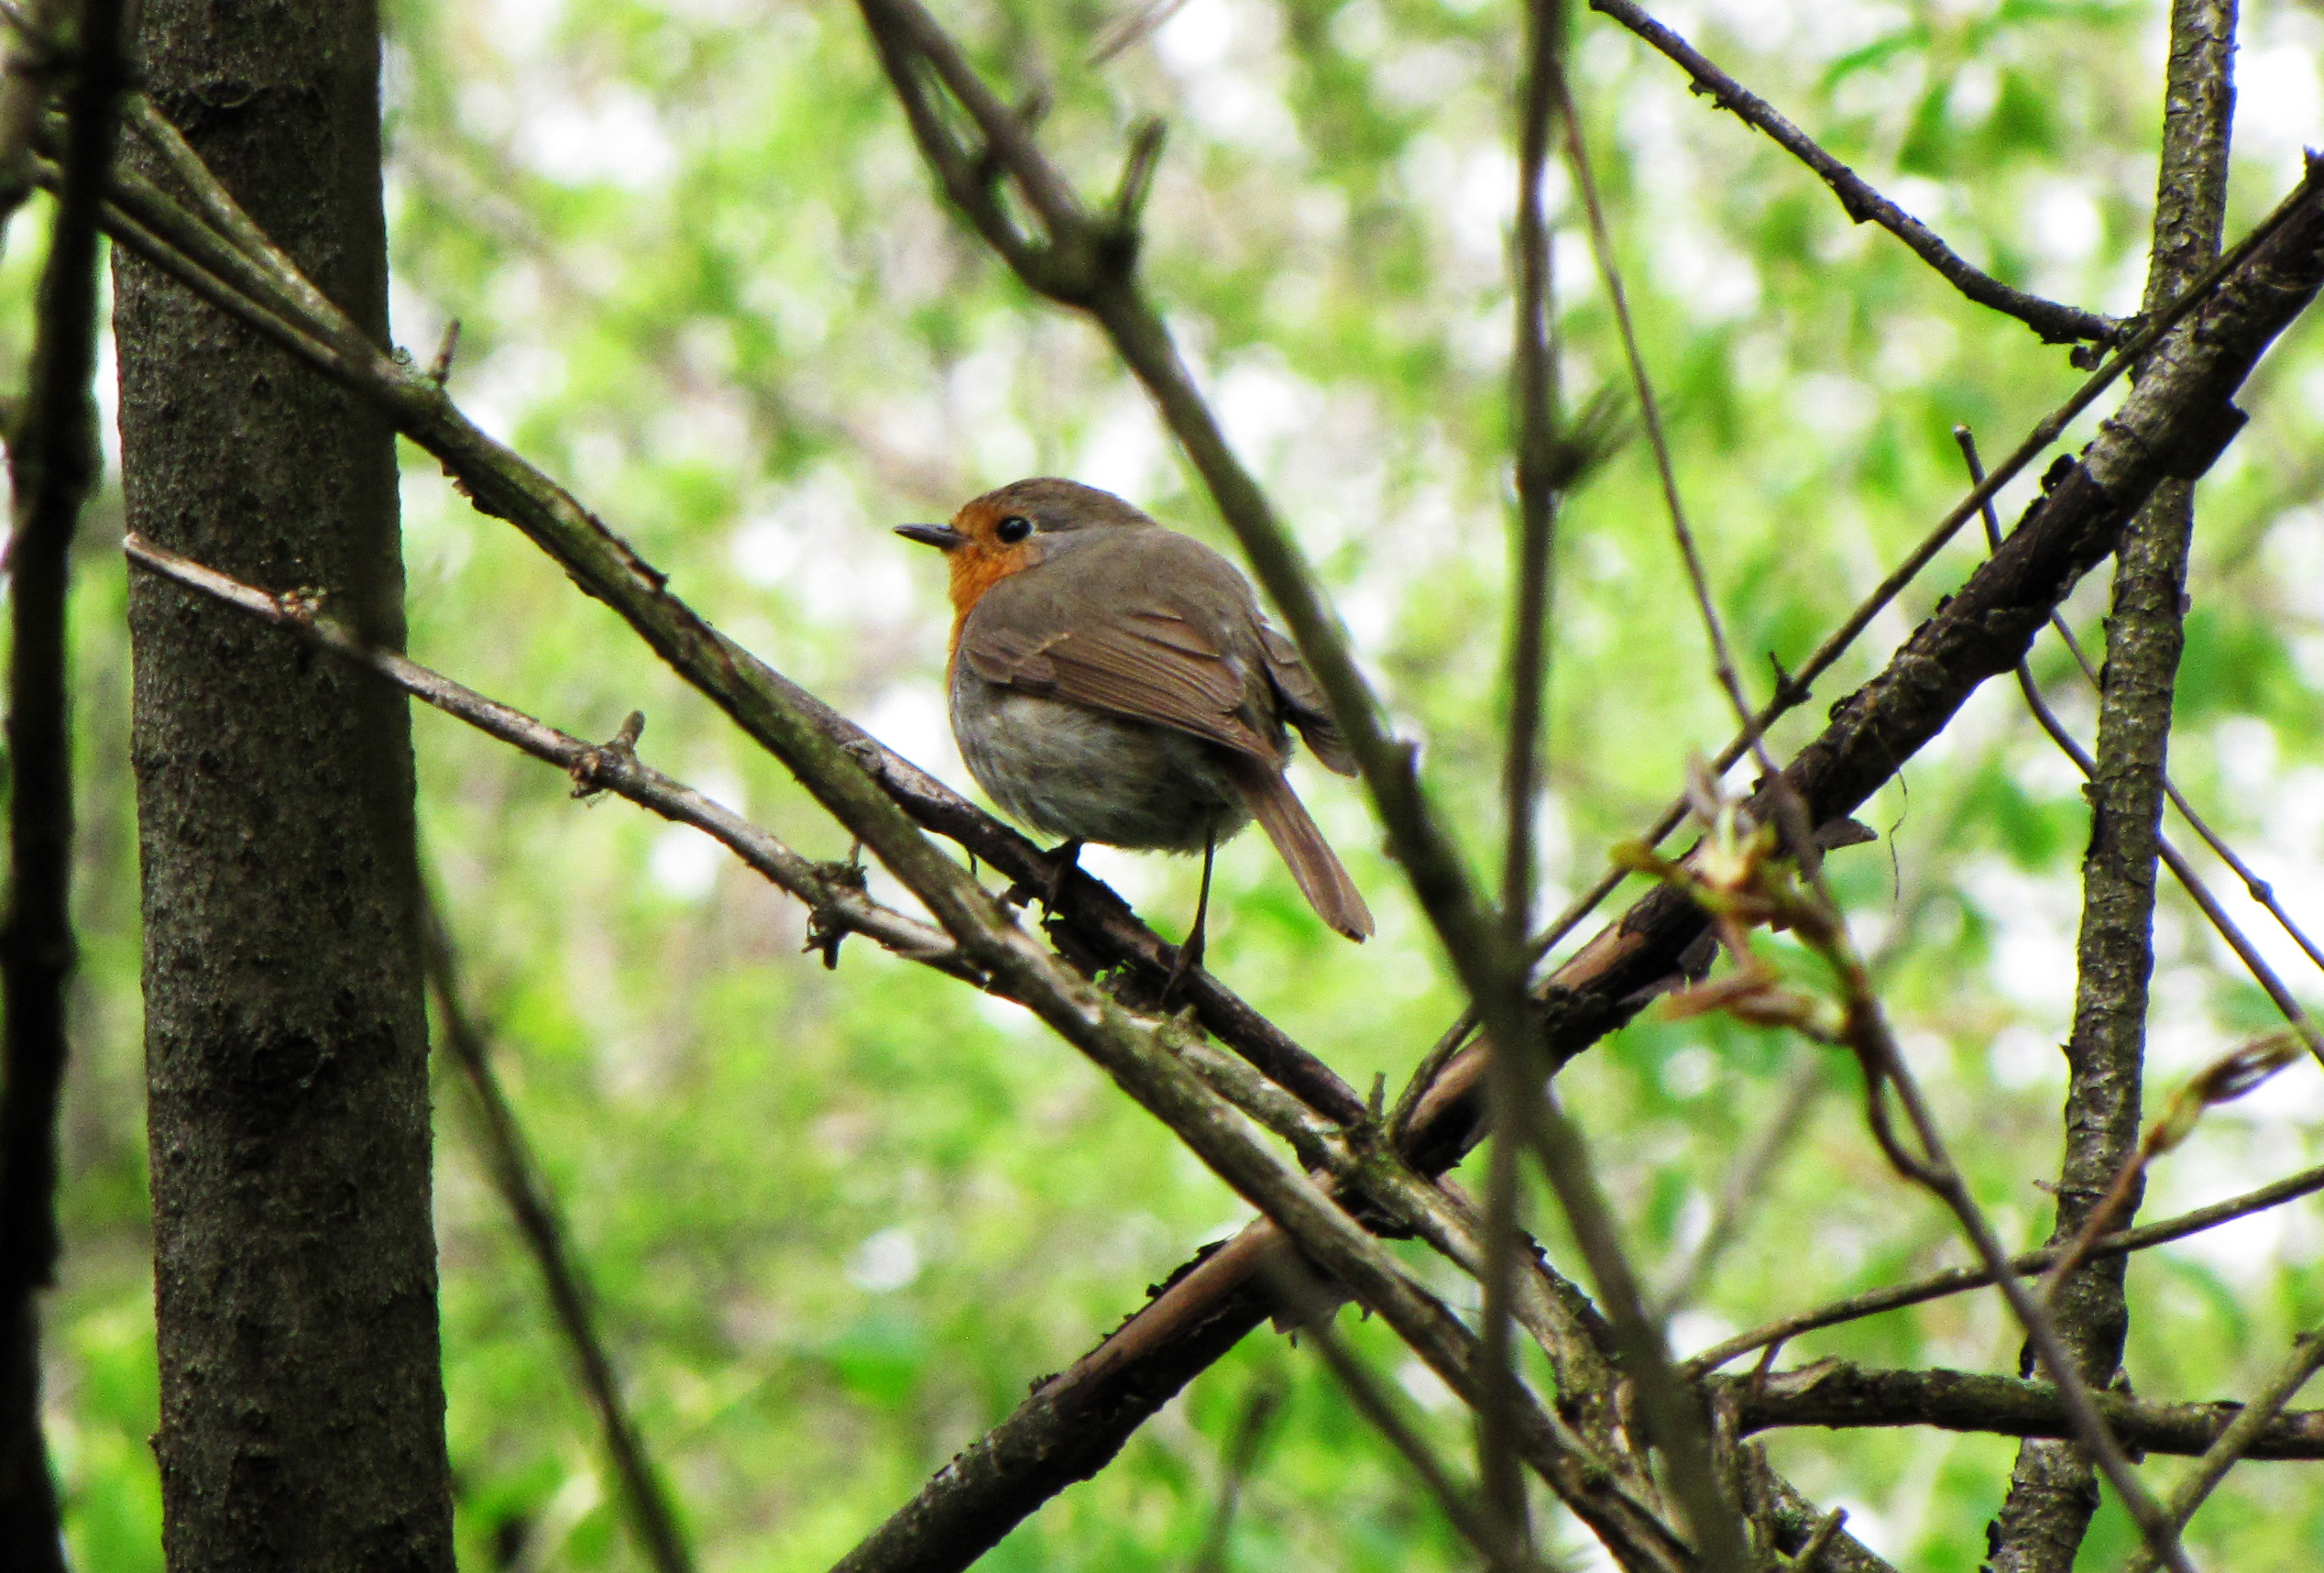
{"points": [[301, 1398]]}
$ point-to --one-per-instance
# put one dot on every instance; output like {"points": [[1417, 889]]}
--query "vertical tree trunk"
{"points": [[301, 1398]]}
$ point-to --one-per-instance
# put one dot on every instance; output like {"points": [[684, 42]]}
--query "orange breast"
{"points": [[976, 568]]}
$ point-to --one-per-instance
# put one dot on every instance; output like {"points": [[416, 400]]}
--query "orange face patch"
{"points": [[983, 559]]}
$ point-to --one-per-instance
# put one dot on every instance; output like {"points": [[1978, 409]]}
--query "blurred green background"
{"points": [[837, 1221]]}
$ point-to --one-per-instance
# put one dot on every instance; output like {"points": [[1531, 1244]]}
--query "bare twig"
{"points": [[53, 464], [2224, 1080], [2241, 1434], [2057, 324], [1089, 266], [836, 901], [1314, 1307], [1260, 1407], [1841, 1396], [516, 1173], [1796, 688], [2173, 859], [1958, 1280], [1741, 884], [1744, 1185], [1515, 1091]]}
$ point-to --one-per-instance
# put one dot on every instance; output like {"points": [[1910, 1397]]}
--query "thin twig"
{"points": [[2225, 1079], [1260, 1407], [2057, 324], [53, 465], [1744, 1183], [1959, 1280], [516, 1174], [2245, 1429], [1089, 266], [2176, 861], [834, 899], [1313, 1309], [1515, 1079]]}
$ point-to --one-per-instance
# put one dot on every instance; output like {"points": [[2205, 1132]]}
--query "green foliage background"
{"points": [[838, 1220]]}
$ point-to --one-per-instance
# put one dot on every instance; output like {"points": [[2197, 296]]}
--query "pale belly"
{"points": [[1069, 770]]}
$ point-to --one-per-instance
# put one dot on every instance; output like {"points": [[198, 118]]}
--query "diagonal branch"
{"points": [[2242, 1434], [2057, 324], [516, 1173], [2179, 417], [1090, 265], [833, 894], [2173, 859]]}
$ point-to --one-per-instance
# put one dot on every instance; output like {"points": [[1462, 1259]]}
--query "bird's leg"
{"points": [[1068, 863], [1191, 953]]}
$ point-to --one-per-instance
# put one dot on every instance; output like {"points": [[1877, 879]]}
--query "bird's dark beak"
{"points": [[943, 537]]}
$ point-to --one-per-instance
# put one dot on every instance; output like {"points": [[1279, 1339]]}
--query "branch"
{"points": [[1095, 926], [1089, 264], [2176, 861], [1955, 1279], [516, 1173], [1073, 1424], [1533, 540], [53, 460], [2057, 324], [1841, 1396], [2242, 1434], [834, 900], [2051, 1495]]}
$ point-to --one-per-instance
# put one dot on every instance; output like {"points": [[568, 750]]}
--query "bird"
{"points": [[1112, 680]]}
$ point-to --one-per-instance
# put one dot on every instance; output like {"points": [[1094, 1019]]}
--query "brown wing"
{"points": [[1100, 634], [1303, 702]]}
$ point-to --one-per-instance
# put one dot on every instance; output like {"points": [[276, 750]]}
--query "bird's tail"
{"points": [[1285, 819]]}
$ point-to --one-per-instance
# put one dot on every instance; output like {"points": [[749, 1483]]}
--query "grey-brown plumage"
{"points": [[1114, 681]]}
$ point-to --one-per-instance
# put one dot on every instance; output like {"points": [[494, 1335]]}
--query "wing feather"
{"points": [[1146, 661]]}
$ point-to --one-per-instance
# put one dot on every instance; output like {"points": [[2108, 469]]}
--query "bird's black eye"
{"points": [[1012, 528]]}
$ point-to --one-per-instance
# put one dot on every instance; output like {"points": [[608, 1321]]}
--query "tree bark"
{"points": [[2053, 1489], [295, 1285]]}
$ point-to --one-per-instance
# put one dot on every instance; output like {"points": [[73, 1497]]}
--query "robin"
{"points": [[1114, 681]]}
